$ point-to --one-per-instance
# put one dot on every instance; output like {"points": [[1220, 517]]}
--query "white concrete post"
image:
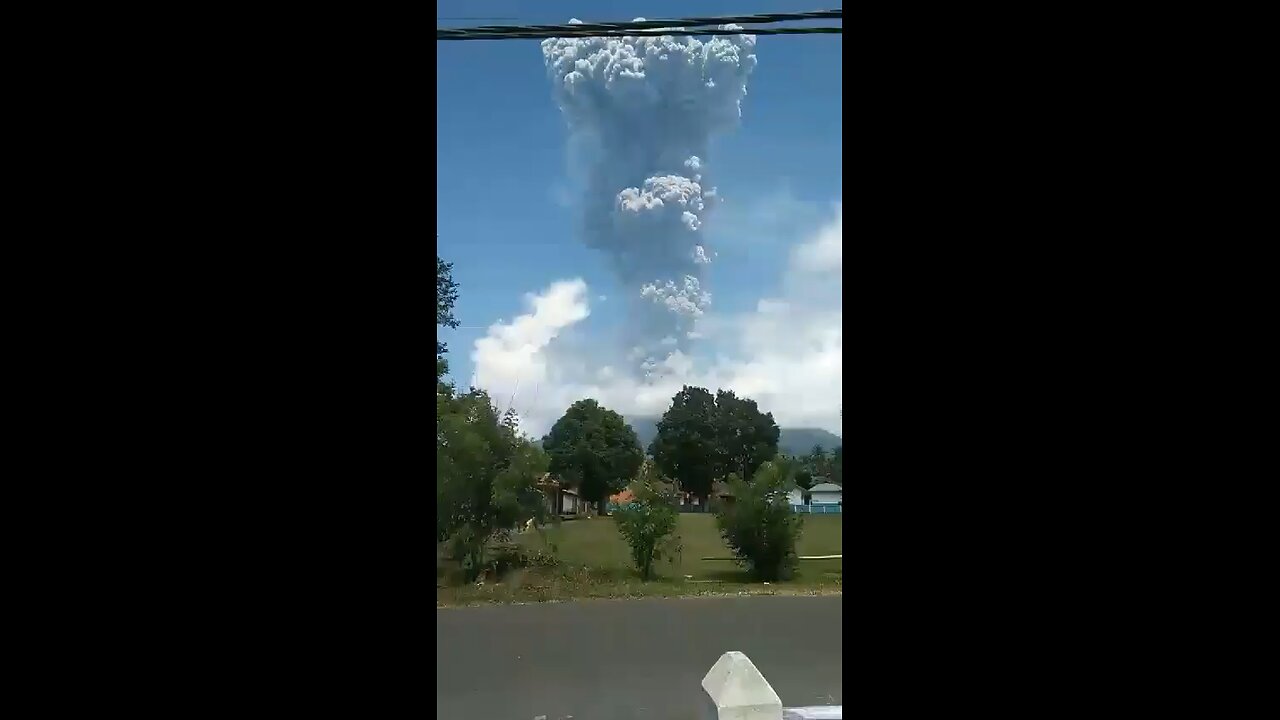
{"points": [[739, 691]]}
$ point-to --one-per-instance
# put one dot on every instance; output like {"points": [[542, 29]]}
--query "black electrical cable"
{"points": [[657, 33], [655, 24], [622, 29]]}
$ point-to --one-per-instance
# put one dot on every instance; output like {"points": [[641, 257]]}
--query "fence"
{"points": [[738, 691], [821, 509]]}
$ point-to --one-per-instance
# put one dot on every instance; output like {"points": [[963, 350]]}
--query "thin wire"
{"points": [[632, 33], [496, 32], [658, 24]]}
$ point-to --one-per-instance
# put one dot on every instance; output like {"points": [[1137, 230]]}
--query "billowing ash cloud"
{"points": [[645, 108]]}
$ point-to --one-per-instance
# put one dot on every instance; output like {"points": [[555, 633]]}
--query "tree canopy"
{"points": [[747, 438], [702, 438], [593, 449], [686, 448]]}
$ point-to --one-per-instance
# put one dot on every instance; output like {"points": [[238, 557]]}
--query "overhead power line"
{"points": [[658, 24], [648, 27], [646, 33]]}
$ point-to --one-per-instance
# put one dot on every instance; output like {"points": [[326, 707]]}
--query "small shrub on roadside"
{"points": [[500, 559], [508, 557], [760, 526], [647, 522]]}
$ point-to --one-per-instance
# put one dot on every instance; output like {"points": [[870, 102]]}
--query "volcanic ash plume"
{"points": [[645, 108]]}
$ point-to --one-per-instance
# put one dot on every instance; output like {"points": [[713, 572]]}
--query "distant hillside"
{"points": [[799, 441], [791, 441]]}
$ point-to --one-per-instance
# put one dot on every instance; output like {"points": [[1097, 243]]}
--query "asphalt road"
{"points": [[622, 659]]}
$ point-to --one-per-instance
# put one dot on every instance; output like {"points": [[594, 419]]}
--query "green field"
{"points": [[594, 562]]}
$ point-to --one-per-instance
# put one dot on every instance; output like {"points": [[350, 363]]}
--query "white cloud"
{"points": [[787, 354], [824, 252], [515, 352]]}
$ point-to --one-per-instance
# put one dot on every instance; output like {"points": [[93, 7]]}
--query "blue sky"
{"points": [[505, 215]]}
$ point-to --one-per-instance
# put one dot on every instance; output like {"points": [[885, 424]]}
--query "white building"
{"points": [[571, 503], [825, 494], [560, 500]]}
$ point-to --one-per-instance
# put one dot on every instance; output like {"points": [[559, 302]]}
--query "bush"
{"points": [[647, 522], [507, 557], [760, 526], [500, 559]]}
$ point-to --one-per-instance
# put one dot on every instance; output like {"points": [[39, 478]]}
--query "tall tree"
{"points": [[446, 296], [837, 466], [685, 447], [594, 449], [745, 437], [818, 462]]}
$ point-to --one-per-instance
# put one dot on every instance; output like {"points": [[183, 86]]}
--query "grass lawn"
{"points": [[595, 562]]}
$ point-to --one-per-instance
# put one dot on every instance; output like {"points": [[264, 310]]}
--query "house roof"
{"points": [[826, 487]]}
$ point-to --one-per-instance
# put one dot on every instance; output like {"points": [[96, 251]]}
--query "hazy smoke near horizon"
{"points": [[643, 110]]}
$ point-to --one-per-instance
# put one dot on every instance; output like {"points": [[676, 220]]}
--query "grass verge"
{"points": [[594, 563]]}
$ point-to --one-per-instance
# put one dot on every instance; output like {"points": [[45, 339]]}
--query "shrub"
{"points": [[647, 522], [760, 526], [507, 557], [500, 559]]}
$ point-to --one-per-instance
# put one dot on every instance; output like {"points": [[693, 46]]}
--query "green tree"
{"points": [[760, 526], [486, 476], [804, 478], [446, 296], [818, 462], [685, 447], [837, 466], [745, 437], [648, 521], [594, 449]]}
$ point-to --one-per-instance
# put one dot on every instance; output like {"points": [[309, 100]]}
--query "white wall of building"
{"points": [[825, 494]]}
